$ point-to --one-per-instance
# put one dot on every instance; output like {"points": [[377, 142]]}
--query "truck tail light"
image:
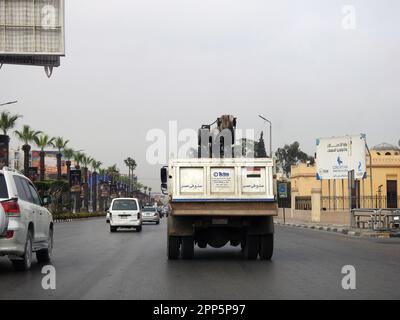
{"points": [[11, 208], [139, 215], [10, 234]]}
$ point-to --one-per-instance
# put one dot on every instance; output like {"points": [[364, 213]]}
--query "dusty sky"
{"points": [[132, 65]]}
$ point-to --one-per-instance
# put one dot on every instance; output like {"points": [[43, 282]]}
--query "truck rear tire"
{"points": [[251, 247], [187, 248], [266, 247], [173, 248]]}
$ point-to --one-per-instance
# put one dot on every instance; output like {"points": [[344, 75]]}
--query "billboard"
{"points": [[32, 31], [75, 180], [50, 161], [338, 155]]}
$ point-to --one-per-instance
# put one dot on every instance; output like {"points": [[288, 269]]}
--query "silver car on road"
{"points": [[150, 214]]}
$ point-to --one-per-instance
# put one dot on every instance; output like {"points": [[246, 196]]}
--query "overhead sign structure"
{"points": [[338, 155], [32, 32]]}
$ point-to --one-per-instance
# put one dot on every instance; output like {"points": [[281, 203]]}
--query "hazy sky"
{"points": [[133, 65]]}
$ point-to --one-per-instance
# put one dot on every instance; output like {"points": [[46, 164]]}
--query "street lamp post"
{"points": [[8, 103], [270, 134]]}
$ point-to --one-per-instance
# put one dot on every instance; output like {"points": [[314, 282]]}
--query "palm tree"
{"points": [[27, 135], [78, 157], [68, 154], [7, 122], [86, 161], [95, 167], [60, 144], [113, 172], [102, 173], [131, 164], [43, 141]]}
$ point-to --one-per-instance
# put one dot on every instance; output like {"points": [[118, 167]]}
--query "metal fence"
{"points": [[364, 202], [375, 219], [303, 203]]}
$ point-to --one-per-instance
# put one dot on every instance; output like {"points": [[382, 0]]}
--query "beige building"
{"points": [[382, 191]]}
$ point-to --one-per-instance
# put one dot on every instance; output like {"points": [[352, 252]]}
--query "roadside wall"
{"points": [[326, 217]]}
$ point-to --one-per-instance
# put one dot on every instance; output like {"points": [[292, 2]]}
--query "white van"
{"points": [[125, 213]]}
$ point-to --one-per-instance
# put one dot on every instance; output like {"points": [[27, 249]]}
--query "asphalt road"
{"points": [[91, 263]]}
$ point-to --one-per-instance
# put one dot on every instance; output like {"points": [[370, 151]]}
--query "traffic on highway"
{"points": [[200, 157]]}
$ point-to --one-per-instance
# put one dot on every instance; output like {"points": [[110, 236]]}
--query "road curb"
{"points": [[340, 230]]}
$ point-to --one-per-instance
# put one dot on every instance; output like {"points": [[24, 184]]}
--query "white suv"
{"points": [[30, 224]]}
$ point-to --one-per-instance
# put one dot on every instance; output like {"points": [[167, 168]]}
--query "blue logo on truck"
{"points": [[221, 174]]}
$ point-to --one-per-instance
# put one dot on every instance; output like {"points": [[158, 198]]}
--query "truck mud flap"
{"points": [[180, 226]]}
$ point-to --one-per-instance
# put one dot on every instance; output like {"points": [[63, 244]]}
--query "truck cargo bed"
{"points": [[222, 181], [224, 209]]}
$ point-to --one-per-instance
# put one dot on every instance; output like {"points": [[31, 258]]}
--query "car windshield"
{"points": [[150, 209], [124, 205]]}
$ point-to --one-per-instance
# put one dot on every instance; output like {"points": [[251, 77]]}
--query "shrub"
{"points": [[68, 216]]}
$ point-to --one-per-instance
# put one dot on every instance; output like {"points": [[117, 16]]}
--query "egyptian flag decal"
{"points": [[253, 172]]}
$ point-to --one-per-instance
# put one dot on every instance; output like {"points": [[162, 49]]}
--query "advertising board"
{"points": [[337, 156]]}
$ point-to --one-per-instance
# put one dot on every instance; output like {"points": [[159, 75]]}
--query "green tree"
{"points": [[131, 164], [95, 169], [290, 155], [43, 141], [78, 157], [260, 147], [102, 173], [26, 135], [60, 144], [7, 122], [86, 162], [113, 173], [68, 154]]}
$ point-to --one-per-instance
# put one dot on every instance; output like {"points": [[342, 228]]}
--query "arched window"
{"points": [[388, 154]]}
